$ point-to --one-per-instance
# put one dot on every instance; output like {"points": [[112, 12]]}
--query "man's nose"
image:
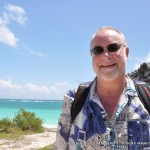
{"points": [[107, 53]]}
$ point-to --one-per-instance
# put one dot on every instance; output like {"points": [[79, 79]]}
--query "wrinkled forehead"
{"points": [[106, 37]]}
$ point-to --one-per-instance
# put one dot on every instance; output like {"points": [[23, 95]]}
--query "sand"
{"points": [[30, 142]]}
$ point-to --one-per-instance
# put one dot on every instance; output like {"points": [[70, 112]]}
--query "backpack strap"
{"points": [[79, 100], [143, 91]]}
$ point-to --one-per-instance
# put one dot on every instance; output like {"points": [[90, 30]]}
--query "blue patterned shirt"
{"points": [[93, 130]]}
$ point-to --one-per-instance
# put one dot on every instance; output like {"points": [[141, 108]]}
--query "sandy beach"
{"points": [[30, 142]]}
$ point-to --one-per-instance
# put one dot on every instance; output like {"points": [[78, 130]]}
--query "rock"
{"points": [[142, 74]]}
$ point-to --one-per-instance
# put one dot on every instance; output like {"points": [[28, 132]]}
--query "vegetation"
{"points": [[28, 121], [13, 133], [23, 123], [5, 124]]}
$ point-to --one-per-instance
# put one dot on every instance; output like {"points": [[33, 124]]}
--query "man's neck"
{"points": [[110, 88], [109, 94]]}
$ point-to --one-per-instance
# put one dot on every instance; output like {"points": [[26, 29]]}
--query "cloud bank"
{"points": [[10, 89]]}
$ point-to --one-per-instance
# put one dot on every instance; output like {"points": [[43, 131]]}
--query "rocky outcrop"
{"points": [[142, 74]]}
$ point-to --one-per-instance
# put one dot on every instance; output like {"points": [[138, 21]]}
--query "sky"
{"points": [[44, 45]]}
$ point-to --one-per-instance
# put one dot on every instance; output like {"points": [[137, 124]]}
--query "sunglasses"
{"points": [[111, 48]]}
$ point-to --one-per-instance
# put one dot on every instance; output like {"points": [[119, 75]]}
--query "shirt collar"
{"points": [[129, 89]]}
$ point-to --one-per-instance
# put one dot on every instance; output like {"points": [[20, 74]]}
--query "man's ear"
{"points": [[127, 52]]}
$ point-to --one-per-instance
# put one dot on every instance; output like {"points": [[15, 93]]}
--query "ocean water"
{"points": [[47, 110]]}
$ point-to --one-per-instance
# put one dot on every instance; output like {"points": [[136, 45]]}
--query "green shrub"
{"points": [[5, 124], [28, 121]]}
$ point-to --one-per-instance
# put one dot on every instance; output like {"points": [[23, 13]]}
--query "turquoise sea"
{"points": [[47, 110]]}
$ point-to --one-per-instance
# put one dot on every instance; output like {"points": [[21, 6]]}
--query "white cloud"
{"points": [[147, 59], [16, 13], [136, 59], [7, 37], [39, 54], [37, 88], [139, 60], [11, 89], [136, 66], [12, 13], [31, 51], [53, 88], [9, 85], [62, 84]]}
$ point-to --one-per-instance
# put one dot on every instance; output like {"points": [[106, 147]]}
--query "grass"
{"points": [[13, 133]]}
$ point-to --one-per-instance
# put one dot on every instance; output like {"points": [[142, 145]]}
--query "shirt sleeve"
{"points": [[64, 123]]}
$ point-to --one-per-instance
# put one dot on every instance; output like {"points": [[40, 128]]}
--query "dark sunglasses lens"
{"points": [[97, 50], [113, 47]]}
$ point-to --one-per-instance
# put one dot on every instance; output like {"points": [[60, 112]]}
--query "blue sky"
{"points": [[44, 45]]}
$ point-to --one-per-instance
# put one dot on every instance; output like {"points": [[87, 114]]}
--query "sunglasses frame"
{"points": [[102, 49]]}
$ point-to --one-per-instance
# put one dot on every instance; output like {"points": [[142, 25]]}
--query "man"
{"points": [[112, 116]]}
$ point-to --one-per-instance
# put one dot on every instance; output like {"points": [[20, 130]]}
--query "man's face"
{"points": [[109, 65]]}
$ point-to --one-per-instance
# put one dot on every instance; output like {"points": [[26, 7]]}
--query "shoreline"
{"points": [[46, 125], [30, 141]]}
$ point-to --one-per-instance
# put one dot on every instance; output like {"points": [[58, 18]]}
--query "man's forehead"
{"points": [[106, 36], [107, 33]]}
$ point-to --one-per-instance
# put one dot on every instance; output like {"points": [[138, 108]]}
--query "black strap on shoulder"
{"points": [[79, 100], [143, 91]]}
